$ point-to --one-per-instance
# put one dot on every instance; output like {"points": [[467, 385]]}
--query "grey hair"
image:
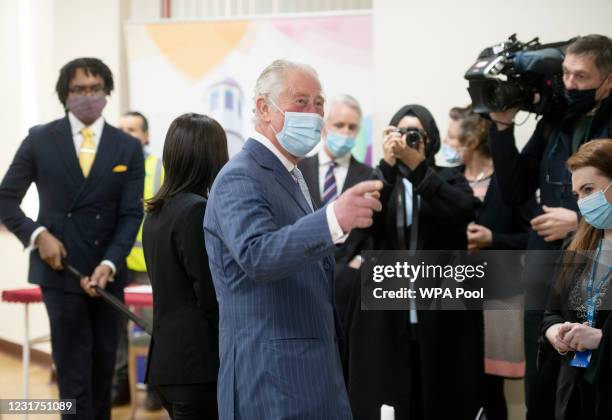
{"points": [[347, 100], [270, 82]]}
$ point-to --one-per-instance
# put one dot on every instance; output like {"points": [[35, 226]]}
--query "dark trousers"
{"points": [[417, 411], [189, 402], [495, 400], [533, 387], [84, 343]]}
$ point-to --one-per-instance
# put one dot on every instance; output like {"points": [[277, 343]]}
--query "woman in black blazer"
{"points": [[183, 357]]}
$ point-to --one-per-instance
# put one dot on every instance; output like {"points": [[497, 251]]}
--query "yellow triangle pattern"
{"points": [[196, 48]]}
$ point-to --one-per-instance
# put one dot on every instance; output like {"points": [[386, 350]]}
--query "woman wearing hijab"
{"points": [[426, 364], [578, 322]]}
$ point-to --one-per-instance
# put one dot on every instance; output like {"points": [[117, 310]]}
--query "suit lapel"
{"points": [[354, 175], [311, 175], [67, 153], [267, 159], [104, 157]]}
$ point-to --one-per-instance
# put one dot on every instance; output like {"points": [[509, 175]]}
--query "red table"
{"points": [[30, 295]]}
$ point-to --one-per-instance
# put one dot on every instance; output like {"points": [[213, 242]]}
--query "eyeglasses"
{"points": [[86, 90]]}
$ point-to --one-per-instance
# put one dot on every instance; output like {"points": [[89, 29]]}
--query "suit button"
{"points": [[97, 217], [96, 242], [326, 265], [69, 215]]}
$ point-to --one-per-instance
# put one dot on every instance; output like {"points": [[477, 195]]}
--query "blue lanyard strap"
{"points": [[592, 296]]}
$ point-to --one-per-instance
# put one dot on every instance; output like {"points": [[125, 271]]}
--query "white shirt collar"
{"points": [[324, 158], [77, 125], [256, 135]]}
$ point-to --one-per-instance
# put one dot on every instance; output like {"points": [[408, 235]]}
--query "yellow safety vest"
{"points": [[154, 176]]}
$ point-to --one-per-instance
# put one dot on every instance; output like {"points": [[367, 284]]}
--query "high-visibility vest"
{"points": [[154, 176]]}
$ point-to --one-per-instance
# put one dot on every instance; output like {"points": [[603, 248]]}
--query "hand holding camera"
{"points": [[406, 144], [390, 137], [504, 119], [411, 148]]}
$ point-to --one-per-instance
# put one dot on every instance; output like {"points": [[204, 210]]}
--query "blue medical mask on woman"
{"points": [[451, 154], [339, 144], [301, 131], [596, 210]]}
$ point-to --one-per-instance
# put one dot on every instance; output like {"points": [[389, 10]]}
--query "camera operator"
{"points": [[426, 364], [587, 78]]}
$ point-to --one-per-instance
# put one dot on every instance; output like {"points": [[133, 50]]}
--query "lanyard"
{"points": [[592, 296]]}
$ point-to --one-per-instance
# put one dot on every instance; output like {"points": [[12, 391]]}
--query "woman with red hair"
{"points": [[578, 322]]}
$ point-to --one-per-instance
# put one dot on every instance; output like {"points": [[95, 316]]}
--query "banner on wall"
{"points": [[210, 67]]}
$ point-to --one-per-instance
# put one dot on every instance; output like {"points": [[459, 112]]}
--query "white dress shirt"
{"points": [[337, 235], [76, 126], [340, 170]]}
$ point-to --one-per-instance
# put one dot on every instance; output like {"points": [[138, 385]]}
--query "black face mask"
{"points": [[580, 101]]}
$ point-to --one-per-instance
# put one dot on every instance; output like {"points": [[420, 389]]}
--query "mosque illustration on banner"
{"points": [[223, 102]]}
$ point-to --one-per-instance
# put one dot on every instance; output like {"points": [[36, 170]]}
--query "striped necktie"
{"points": [[329, 186], [297, 175], [87, 152]]}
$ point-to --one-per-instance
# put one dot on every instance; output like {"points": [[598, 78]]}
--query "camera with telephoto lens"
{"points": [[414, 136], [513, 74]]}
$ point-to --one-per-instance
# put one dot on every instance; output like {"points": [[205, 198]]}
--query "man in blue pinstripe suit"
{"points": [[271, 257]]}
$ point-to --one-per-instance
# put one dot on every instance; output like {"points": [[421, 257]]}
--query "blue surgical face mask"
{"points": [[300, 133], [596, 210], [451, 154], [339, 144]]}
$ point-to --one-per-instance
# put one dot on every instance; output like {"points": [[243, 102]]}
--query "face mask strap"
{"points": [[277, 107], [281, 111], [605, 79], [594, 194], [603, 192]]}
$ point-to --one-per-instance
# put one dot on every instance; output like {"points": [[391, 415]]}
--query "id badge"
{"points": [[581, 359]]}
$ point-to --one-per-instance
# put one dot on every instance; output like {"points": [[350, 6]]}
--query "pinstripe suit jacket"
{"points": [[272, 265]]}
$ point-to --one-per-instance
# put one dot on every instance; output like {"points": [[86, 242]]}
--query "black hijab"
{"points": [[429, 124]]}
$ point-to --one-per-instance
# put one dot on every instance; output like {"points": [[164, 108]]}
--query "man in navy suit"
{"points": [[270, 252], [89, 177]]}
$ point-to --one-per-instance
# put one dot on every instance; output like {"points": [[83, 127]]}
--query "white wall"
{"points": [[422, 49], [37, 37], [12, 259]]}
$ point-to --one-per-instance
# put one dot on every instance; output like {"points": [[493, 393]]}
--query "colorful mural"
{"points": [[211, 67]]}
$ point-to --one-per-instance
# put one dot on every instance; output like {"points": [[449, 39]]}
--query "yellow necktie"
{"points": [[87, 153]]}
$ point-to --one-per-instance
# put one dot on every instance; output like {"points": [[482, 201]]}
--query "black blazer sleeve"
{"points": [[523, 214], [192, 252], [600, 370], [518, 173], [451, 198], [130, 209], [19, 177], [551, 317]]}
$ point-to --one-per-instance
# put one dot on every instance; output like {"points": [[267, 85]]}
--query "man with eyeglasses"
{"points": [[90, 178], [587, 76]]}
